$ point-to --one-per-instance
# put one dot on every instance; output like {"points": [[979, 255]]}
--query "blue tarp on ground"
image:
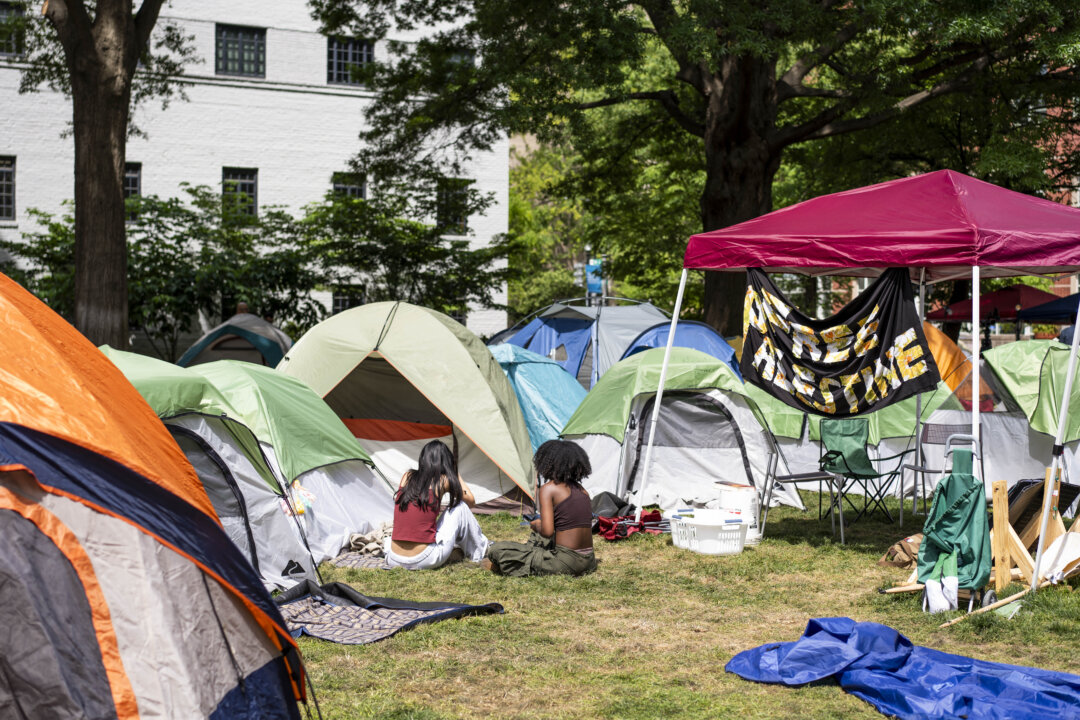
{"points": [[689, 334], [548, 396], [882, 667]]}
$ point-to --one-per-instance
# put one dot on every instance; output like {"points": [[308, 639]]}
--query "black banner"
{"points": [[870, 354]]}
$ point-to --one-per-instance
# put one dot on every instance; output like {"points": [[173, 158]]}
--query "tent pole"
{"points": [[976, 353], [918, 416], [1059, 449], [660, 392]]}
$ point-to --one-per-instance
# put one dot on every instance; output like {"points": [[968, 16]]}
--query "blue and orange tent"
{"points": [[123, 594]]}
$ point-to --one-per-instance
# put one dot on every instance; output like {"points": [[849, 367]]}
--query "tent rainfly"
{"points": [[548, 396], [586, 340], [941, 225], [332, 481], [688, 334], [400, 375], [244, 336], [130, 599], [253, 505], [710, 430]]}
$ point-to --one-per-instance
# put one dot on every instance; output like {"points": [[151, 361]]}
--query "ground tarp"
{"points": [[337, 613], [879, 665]]}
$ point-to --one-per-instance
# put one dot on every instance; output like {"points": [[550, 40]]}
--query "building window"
{"points": [[12, 34], [345, 297], [345, 54], [349, 184], [7, 188], [132, 184], [241, 186], [241, 51], [451, 207]]}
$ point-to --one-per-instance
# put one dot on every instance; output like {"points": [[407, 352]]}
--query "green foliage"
{"points": [[202, 254], [372, 244]]}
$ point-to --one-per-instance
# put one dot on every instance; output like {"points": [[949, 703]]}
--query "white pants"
{"points": [[457, 527]]}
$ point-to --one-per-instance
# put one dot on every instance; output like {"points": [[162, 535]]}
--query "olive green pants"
{"points": [[538, 556]]}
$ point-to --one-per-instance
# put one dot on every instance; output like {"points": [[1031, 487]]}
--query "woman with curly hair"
{"points": [[421, 539], [561, 539]]}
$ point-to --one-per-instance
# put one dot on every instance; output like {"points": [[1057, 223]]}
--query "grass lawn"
{"points": [[648, 634]]}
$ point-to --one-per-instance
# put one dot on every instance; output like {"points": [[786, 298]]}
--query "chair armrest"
{"points": [[804, 477]]}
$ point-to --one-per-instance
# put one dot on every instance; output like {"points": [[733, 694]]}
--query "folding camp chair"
{"points": [[846, 458], [771, 479]]}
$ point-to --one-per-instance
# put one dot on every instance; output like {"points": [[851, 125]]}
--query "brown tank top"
{"points": [[574, 512]]}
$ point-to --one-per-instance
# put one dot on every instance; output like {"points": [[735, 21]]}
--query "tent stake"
{"points": [[1059, 449], [660, 394]]}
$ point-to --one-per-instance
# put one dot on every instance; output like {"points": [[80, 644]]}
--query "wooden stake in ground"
{"points": [[999, 536]]}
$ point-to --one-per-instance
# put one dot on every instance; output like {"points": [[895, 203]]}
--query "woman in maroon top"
{"points": [[421, 539], [561, 540]]}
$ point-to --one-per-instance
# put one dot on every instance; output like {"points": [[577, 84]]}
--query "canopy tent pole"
{"points": [[918, 415], [976, 353], [660, 393], [1059, 450]]}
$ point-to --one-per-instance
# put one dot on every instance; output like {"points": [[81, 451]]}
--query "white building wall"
{"points": [[293, 126]]}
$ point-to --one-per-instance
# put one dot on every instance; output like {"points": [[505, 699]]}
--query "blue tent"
{"points": [[586, 340], [688, 334], [548, 395], [1062, 310]]}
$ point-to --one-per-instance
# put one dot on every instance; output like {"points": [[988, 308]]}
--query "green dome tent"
{"points": [[709, 430], [400, 375], [227, 457], [330, 475]]}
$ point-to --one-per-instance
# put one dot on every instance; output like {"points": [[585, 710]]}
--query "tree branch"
{"points": [[791, 80], [667, 100], [72, 24], [145, 20], [827, 124]]}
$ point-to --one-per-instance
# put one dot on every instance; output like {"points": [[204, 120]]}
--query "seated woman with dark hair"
{"points": [[421, 539], [561, 539]]}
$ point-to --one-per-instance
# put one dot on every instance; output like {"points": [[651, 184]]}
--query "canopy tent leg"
{"points": [[660, 394], [1059, 450], [918, 417], [976, 354]]}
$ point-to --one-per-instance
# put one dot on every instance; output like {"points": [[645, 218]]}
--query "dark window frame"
{"points": [[13, 40], [7, 188], [132, 189], [245, 38], [349, 184], [240, 177], [345, 297], [344, 53], [450, 209]]}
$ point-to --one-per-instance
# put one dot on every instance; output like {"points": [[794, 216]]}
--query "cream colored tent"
{"points": [[400, 375]]}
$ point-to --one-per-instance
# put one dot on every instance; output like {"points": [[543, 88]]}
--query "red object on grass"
{"points": [[623, 526]]}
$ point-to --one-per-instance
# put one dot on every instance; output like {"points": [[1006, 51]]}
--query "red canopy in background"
{"points": [[1006, 301], [943, 221]]}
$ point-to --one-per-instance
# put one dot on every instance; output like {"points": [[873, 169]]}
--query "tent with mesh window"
{"points": [[124, 594], [710, 431], [400, 375]]}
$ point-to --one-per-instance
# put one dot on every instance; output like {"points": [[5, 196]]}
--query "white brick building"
{"points": [[267, 103]]}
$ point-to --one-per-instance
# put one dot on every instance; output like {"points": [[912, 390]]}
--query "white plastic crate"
{"points": [[709, 532]]}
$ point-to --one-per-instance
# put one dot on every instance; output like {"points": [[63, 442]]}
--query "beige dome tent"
{"points": [[400, 375]]}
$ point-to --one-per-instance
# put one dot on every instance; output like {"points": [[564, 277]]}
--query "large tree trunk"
{"points": [[100, 120], [740, 166]]}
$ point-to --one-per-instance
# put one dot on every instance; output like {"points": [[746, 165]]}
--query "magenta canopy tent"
{"points": [[943, 221], [942, 225]]}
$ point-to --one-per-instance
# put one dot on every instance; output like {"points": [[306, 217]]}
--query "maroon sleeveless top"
{"points": [[573, 512], [413, 524]]}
